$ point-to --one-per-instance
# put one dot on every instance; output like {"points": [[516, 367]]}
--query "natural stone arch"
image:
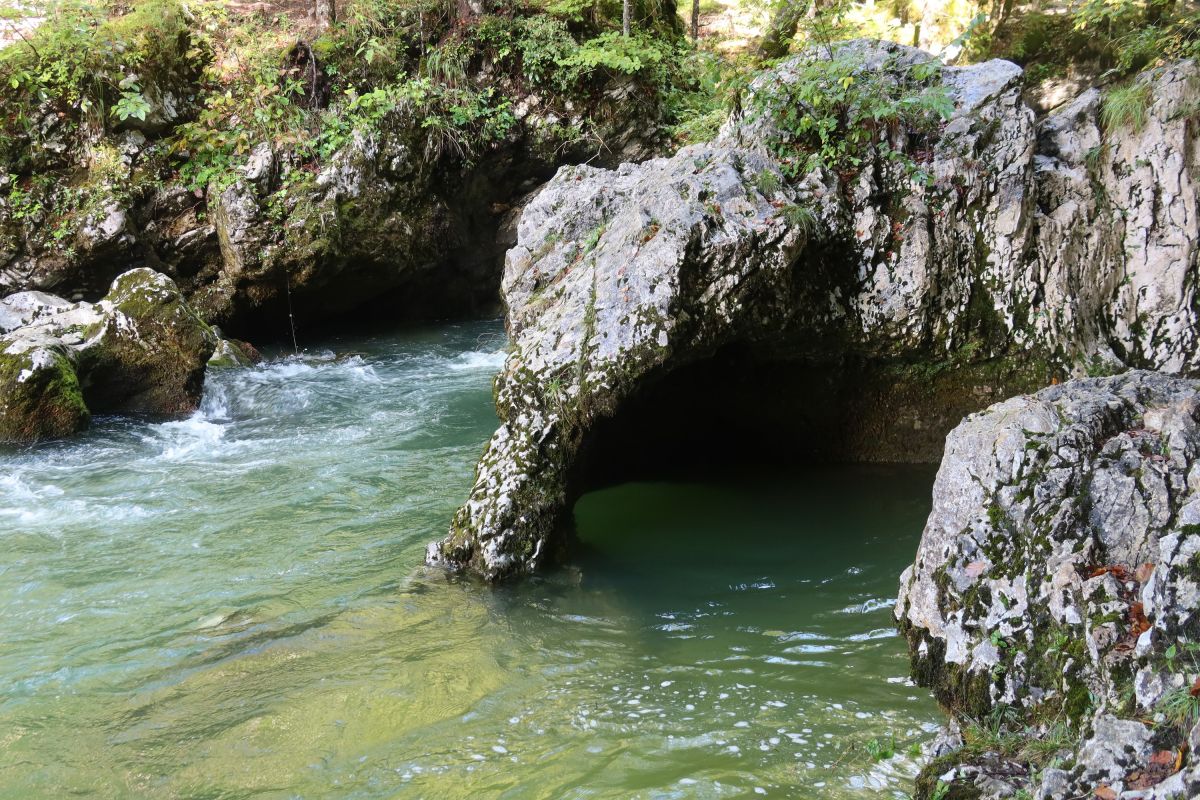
{"points": [[930, 299]]}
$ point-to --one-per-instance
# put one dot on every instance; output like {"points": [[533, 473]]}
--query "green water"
{"points": [[234, 606]]}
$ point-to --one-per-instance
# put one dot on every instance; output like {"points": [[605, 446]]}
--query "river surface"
{"points": [[233, 605]]}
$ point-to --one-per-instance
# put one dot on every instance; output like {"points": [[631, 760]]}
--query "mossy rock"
{"points": [[149, 351], [929, 782], [231, 353], [40, 396]]}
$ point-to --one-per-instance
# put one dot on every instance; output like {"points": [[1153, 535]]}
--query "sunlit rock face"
{"points": [[1059, 567], [141, 348], [1015, 263]]}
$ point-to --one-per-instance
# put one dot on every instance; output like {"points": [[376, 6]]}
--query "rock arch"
{"points": [[928, 300]]}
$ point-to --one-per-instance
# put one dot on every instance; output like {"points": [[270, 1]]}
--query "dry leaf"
{"points": [[1144, 572], [1116, 570], [1105, 793], [1138, 624], [975, 568], [1162, 764]]}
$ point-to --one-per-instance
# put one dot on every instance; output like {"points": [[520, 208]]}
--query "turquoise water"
{"points": [[233, 605]]}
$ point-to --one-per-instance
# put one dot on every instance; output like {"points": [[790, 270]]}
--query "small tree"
{"points": [[695, 21], [626, 12], [782, 29]]}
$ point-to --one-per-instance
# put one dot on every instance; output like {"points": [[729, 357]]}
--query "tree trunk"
{"points": [[695, 21], [325, 12], [781, 31], [625, 14], [468, 10]]}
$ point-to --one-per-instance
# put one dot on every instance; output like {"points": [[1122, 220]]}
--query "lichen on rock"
{"points": [[148, 350], [966, 284], [1054, 581]]}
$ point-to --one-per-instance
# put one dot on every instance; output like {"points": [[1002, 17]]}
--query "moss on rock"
{"points": [[149, 350], [40, 396]]}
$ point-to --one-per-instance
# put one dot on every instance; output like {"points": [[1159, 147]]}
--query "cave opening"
{"points": [[731, 413], [746, 415]]}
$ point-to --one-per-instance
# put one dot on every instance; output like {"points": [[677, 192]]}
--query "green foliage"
{"points": [[1182, 656], [1120, 36], [1180, 707], [88, 64], [881, 749], [767, 183], [833, 112], [1126, 107], [545, 44], [615, 53], [1004, 732], [51, 211], [1133, 34], [698, 103], [801, 217]]}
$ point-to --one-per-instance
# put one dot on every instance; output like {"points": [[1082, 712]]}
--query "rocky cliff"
{"points": [[886, 303], [1053, 604], [381, 221]]}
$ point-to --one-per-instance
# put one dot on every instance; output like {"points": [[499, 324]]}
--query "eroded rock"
{"points": [[1057, 568], [937, 297]]}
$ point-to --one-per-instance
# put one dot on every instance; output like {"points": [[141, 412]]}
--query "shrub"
{"points": [[832, 112], [89, 65]]}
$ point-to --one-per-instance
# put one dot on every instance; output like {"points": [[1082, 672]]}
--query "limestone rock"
{"points": [[39, 395], [148, 350], [1002, 271], [21, 309], [141, 348], [1057, 567]]}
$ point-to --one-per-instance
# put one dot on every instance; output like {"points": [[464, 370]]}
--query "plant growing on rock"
{"points": [[835, 113], [1126, 107]]}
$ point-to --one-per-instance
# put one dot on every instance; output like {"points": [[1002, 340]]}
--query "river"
{"points": [[234, 605]]}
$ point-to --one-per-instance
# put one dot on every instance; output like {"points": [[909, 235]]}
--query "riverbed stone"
{"points": [[140, 349]]}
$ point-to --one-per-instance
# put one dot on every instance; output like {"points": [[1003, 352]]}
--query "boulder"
{"points": [[40, 396], [1055, 593], [140, 349], [23, 308], [148, 350]]}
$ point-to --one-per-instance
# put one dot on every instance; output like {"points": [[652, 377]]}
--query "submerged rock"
{"points": [[1055, 595], [140, 349], [898, 305]]}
